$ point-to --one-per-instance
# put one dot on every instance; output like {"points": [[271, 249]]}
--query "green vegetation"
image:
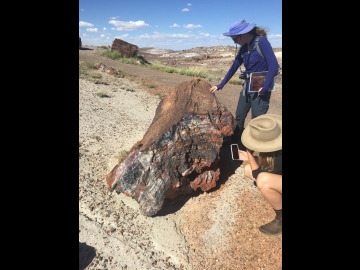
{"points": [[114, 55], [101, 82], [192, 71], [102, 94], [127, 88], [140, 60], [119, 74], [95, 137], [160, 95], [85, 68], [122, 155], [151, 85], [236, 81]]}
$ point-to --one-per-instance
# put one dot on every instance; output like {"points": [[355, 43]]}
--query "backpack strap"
{"points": [[257, 46], [261, 54]]}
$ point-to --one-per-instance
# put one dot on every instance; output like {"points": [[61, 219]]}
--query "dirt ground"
{"points": [[207, 230]]}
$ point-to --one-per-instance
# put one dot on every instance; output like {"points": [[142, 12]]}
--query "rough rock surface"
{"points": [[180, 151], [125, 48], [216, 229]]}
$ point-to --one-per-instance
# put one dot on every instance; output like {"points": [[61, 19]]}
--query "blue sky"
{"points": [[175, 24]]}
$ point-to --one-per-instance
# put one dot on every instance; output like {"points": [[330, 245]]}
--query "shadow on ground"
{"points": [[85, 49], [227, 168], [86, 255]]}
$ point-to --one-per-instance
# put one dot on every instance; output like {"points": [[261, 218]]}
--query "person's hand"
{"points": [[243, 155], [249, 151], [214, 88]]}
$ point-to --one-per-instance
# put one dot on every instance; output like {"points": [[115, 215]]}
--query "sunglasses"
{"points": [[235, 37]]}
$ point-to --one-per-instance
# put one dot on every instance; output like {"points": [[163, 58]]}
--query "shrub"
{"points": [[122, 155], [114, 55], [236, 81], [102, 95]]}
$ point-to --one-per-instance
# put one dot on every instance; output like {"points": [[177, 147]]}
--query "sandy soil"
{"points": [[214, 230]]}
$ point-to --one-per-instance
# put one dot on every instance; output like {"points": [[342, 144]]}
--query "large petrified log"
{"points": [[125, 48], [179, 152]]}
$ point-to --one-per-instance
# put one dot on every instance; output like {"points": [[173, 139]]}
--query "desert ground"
{"points": [[217, 229]]}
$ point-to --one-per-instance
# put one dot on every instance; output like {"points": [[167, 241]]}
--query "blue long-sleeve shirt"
{"points": [[256, 64]]}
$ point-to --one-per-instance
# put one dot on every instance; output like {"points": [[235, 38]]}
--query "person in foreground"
{"points": [[257, 55], [264, 135]]}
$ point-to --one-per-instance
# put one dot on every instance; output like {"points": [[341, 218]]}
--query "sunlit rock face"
{"points": [[179, 152]]}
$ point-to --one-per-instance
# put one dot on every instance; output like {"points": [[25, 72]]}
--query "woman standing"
{"points": [[257, 55], [264, 135]]}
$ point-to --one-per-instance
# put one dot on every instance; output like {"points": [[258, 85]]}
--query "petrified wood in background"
{"points": [[179, 152], [79, 43], [125, 48]]}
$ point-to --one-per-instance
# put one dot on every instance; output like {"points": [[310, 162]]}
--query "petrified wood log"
{"points": [[125, 48], [80, 43], [179, 153]]}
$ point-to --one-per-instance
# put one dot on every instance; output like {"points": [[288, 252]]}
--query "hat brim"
{"points": [[249, 142], [243, 31]]}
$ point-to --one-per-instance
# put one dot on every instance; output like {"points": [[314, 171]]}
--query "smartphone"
{"points": [[235, 151]]}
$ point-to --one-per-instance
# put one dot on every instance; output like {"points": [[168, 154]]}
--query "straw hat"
{"points": [[263, 133], [239, 27]]}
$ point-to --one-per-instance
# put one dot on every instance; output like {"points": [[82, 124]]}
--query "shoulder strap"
{"points": [[257, 46], [259, 51], [261, 54]]}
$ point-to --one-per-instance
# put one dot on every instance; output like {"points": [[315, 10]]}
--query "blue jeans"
{"points": [[259, 105]]}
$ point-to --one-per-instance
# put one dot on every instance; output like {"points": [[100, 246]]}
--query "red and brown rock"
{"points": [[108, 70], [179, 153], [125, 48]]}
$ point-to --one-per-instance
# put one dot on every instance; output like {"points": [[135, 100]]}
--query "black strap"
{"points": [[253, 49]]}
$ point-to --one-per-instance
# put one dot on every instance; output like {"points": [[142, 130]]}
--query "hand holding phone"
{"points": [[238, 154], [243, 155]]}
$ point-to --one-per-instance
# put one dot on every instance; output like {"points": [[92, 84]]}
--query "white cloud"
{"points": [[85, 24], [114, 18], [275, 40], [174, 25], [175, 41], [157, 35], [185, 9], [123, 36], [204, 34], [128, 26], [275, 36], [189, 4], [94, 30], [104, 29], [191, 26]]}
